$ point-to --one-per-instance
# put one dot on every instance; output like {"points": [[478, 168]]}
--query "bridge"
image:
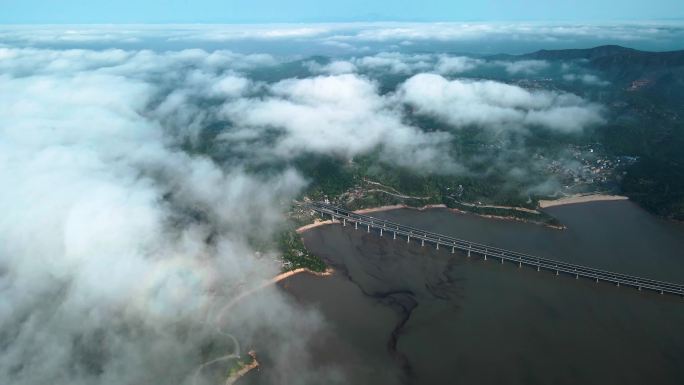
{"points": [[394, 230]]}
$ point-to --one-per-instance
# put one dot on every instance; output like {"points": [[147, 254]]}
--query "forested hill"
{"points": [[650, 127], [614, 55]]}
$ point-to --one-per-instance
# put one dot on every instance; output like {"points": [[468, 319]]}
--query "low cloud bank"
{"points": [[353, 38], [120, 240], [495, 105], [342, 115], [118, 248], [524, 67], [588, 79]]}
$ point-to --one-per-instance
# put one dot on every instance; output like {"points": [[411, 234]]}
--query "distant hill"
{"points": [[583, 53], [656, 75], [606, 57], [615, 51], [614, 57], [653, 83]]}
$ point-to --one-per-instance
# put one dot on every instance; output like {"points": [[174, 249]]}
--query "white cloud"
{"points": [[412, 32], [116, 247], [343, 115], [335, 67], [456, 64], [395, 62], [588, 79], [496, 105], [346, 36], [127, 34], [524, 67], [226, 33], [117, 244], [142, 64]]}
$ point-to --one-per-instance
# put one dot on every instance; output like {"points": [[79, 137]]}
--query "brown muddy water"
{"points": [[406, 314]]}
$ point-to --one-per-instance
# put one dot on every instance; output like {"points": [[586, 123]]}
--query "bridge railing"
{"points": [[495, 252]]}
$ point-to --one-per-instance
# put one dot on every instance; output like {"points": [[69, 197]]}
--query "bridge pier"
{"points": [[599, 276]]}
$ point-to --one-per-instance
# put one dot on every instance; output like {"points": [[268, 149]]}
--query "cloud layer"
{"points": [[342, 115], [501, 37], [495, 105], [122, 237], [117, 248]]}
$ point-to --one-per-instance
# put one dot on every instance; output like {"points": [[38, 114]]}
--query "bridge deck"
{"points": [[486, 251]]}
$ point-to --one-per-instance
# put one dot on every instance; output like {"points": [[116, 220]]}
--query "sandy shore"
{"points": [[580, 199], [267, 283], [280, 277], [443, 206], [294, 272], [244, 370], [312, 225], [394, 207], [318, 222], [523, 209], [509, 218]]}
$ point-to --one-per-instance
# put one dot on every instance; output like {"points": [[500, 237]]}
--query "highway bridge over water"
{"points": [[396, 231]]}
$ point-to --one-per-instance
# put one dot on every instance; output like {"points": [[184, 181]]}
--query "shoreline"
{"points": [[233, 378], [510, 218], [521, 209], [395, 207], [369, 210], [317, 222], [291, 273], [574, 199]]}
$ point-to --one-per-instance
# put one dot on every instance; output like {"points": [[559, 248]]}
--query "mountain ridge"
{"points": [[607, 56]]}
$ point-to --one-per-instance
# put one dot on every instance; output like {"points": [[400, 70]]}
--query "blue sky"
{"points": [[265, 11]]}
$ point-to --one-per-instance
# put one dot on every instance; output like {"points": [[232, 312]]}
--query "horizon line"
{"points": [[352, 22]]}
